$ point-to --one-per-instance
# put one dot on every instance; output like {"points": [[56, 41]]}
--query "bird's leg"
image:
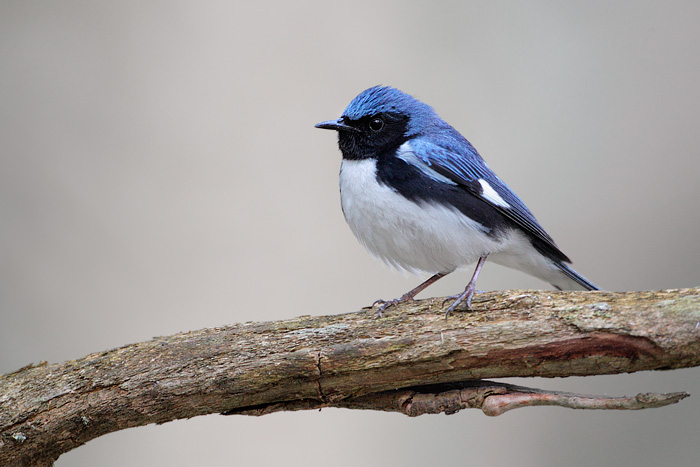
{"points": [[384, 304], [469, 291]]}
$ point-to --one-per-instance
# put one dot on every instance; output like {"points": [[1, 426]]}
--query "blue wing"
{"points": [[450, 155]]}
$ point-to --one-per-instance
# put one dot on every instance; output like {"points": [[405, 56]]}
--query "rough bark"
{"points": [[413, 360]]}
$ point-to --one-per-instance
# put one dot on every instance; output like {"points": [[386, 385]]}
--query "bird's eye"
{"points": [[376, 124]]}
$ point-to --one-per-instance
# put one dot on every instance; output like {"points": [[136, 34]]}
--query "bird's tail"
{"points": [[575, 281]]}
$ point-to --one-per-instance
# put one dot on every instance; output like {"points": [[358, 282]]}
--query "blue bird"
{"points": [[418, 195]]}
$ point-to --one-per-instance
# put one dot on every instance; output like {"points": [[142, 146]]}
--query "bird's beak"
{"points": [[338, 125]]}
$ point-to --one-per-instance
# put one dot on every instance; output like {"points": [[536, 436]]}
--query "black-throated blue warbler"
{"points": [[418, 195]]}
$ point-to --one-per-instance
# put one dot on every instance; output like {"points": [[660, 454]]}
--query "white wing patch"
{"points": [[490, 195]]}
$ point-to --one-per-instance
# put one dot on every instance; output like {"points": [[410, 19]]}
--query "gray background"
{"points": [[159, 172]]}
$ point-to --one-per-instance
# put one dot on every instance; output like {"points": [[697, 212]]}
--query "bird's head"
{"points": [[379, 120]]}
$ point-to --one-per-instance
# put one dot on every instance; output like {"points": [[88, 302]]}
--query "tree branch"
{"points": [[412, 360]]}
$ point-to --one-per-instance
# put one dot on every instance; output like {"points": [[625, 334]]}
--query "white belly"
{"points": [[429, 237]]}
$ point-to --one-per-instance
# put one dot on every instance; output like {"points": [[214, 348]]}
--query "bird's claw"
{"points": [[465, 296], [384, 304]]}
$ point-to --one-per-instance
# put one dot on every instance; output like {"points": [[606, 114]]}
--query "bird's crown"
{"points": [[385, 99]]}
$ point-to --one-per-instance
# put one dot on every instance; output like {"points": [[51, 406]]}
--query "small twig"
{"points": [[497, 404]]}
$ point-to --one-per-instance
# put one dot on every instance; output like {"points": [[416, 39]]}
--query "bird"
{"points": [[418, 196]]}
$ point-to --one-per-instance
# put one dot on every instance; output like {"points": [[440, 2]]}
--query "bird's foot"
{"points": [[465, 296], [384, 304]]}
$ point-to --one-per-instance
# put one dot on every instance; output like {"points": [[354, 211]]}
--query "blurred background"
{"points": [[159, 172]]}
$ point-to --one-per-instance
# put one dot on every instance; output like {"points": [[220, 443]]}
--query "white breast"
{"points": [[428, 237]]}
